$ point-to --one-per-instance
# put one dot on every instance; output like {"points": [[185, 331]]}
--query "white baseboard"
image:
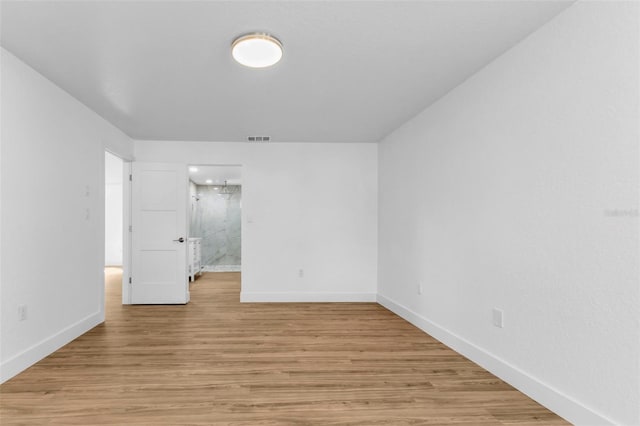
{"points": [[554, 400], [250, 297], [35, 353], [222, 268]]}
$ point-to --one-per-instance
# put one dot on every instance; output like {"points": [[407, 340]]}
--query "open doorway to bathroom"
{"points": [[215, 206], [113, 226]]}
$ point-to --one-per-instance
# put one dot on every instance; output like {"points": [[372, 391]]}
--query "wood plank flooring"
{"points": [[216, 361]]}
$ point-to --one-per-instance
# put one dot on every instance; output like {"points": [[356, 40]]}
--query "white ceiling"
{"points": [[352, 71], [218, 174]]}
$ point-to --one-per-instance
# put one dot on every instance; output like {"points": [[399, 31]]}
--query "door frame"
{"points": [[126, 225], [126, 222], [242, 211], [126, 229]]}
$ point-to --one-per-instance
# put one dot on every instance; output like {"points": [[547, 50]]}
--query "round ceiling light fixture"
{"points": [[257, 50]]}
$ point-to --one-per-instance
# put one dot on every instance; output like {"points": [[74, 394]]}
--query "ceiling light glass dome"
{"points": [[257, 50]]}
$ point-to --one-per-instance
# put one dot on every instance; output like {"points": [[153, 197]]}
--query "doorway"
{"points": [[113, 227], [214, 219]]}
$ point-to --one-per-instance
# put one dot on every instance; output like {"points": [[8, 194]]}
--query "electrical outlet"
{"points": [[301, 273], [22, 312], [498, 318], [420, 287]]}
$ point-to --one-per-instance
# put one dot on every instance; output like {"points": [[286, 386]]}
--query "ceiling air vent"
{"points": [[258, 138]]}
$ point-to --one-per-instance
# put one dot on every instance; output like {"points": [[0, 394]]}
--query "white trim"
{"points": [[126, 237], [250, 297], [221, 268], [553, 399], [46, 347]]}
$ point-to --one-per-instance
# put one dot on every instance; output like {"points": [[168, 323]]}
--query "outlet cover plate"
{"points": [[498, 318]]}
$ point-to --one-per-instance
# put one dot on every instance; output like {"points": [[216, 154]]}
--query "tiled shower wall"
{"points": [[216, 219]]}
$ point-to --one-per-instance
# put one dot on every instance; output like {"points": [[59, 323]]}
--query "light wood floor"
{"points": [[216, 361]]}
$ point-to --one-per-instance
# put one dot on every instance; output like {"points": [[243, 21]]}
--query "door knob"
{"points": [[179, 240]]}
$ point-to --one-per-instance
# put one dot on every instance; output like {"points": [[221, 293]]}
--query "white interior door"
{"points": [[159, 234]]}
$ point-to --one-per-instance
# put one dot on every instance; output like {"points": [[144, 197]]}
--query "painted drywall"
{"points": [[519, 190], [113, 213], [305, 206], [52, 224]]}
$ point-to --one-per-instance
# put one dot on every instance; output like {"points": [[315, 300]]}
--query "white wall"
{"points": [[519, 190], [113, 213], [304, 206], [52, 177]]}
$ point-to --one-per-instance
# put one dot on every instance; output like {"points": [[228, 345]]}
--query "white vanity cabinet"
{"points": [[194, 257]]}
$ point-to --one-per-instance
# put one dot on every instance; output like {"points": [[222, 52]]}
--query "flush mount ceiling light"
{"points": [[257, 50]]}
